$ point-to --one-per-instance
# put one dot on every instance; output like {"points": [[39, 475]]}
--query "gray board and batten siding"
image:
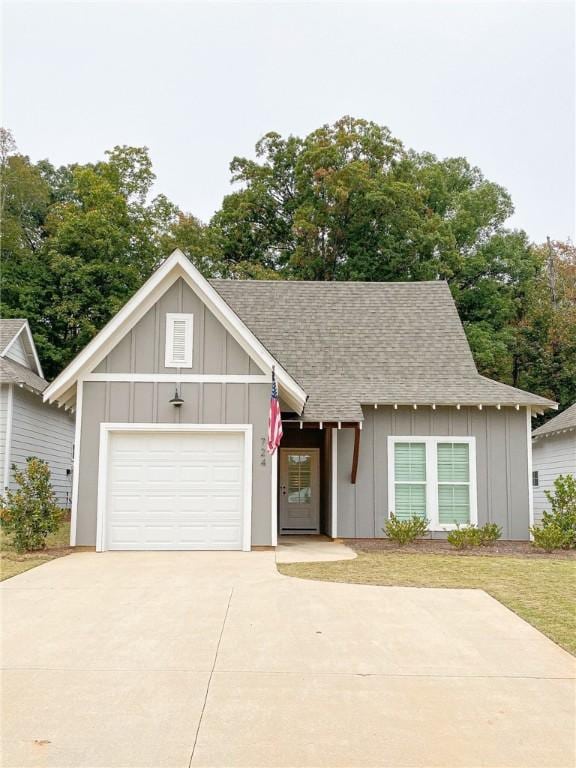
{"points": [[44, 431], [141, 350], [501, 465]]}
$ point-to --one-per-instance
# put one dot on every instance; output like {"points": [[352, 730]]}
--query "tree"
{"points": [[30, 512], [349, 202], [80, 241], [546, 345]]}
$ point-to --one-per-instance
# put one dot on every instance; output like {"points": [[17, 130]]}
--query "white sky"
{"points": [[200, 82]]}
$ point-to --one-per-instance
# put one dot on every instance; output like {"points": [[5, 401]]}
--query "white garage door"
{"points": [[175, 490]]}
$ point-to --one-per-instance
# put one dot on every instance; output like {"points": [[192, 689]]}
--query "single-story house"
{"points": [[553, 454], [28, 425], [382, 406]]}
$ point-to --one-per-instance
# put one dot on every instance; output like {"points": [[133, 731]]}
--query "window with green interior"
{"points": [[433, 478]]}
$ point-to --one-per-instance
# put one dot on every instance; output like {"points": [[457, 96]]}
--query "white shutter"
{"points": [[179, 337]]}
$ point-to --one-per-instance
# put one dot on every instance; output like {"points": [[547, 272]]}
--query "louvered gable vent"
{"points": [[179, 336]]}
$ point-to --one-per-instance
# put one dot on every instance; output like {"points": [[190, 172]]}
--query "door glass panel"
{"points": [[299, 478]]}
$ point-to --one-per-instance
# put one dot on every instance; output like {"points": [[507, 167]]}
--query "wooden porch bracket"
{"points": [[355, 454]]}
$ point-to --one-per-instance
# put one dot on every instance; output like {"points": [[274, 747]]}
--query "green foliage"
{"points": [[549, 537], [405, 531], [563, 513], [346, 202], [489, 534], [464, 538], [472, 536], [30, 512]]}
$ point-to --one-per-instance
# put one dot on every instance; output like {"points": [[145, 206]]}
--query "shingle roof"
{"points": [[8, 329], [12, 372], [349, 344], [564, 420]]}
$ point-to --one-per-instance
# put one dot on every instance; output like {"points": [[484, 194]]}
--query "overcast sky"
{"points": [[200, 82]]}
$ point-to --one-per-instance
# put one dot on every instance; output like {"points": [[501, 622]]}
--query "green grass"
{"points": [[11, 563], [540, 590]]}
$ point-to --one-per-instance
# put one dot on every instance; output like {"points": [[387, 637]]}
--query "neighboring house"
{"points": [[28, 425], [553, 454], [383, 410]]}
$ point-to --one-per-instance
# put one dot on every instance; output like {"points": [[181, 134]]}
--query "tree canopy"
{"points": [[346, 202]]}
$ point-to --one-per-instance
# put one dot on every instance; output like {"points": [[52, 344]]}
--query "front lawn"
{"points": [[541, 590], [11, 563]]}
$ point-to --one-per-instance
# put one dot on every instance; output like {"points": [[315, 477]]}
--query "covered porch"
{"points": [[306, 478]]}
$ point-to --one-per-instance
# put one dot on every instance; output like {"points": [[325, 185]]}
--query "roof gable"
{"points": [[173, 268], [17, 344]]}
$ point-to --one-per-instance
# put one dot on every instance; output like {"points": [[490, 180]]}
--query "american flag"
{"points": [[274, 418]]}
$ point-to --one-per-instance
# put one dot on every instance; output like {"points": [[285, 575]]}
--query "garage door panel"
{"points": [[175, 491]]}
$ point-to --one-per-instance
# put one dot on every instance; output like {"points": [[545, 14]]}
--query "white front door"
{"points": [[299, 490], [175, 490]]}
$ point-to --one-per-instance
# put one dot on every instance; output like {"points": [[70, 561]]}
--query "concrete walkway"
{"points": [[311, 549], [214, 659]]}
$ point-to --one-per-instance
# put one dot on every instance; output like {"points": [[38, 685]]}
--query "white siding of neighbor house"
{"points": [[551, 456], [4, 389], [47, 432], [18, 353]]}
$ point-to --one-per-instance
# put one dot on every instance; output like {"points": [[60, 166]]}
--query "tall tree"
{"points": [[349, 202], [80, 240]]}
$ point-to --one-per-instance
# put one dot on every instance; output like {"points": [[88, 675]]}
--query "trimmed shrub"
{"points": [[30, 512], [563, 514], [489, 534], [549, 538], [405, 531], [464, 538]]}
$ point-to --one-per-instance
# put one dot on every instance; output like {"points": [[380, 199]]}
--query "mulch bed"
{"points": [[522, 549]]}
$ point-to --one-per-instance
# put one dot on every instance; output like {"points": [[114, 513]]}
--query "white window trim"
{"points": [[432, 476], [107, 428], [171, 318]]}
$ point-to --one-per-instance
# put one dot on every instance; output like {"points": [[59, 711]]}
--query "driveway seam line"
{"points": [[210, 679]]}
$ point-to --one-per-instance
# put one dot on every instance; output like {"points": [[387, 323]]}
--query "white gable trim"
{"points": [[175, 266], [28, 333]]}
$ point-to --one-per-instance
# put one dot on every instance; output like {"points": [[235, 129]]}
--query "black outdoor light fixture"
{"points": [[176, 401]]}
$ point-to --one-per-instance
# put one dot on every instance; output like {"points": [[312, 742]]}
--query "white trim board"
{"points": [[76, 463], [182, 378], [529, 454], [176, 266], [107, 428], [8, 436], [274, 500], [334, 495], [432, 477]]}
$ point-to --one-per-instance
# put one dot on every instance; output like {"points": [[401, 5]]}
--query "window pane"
{"points": [[410, 501], [299, 478], [453, 463], [453, 504], [410, 461]]}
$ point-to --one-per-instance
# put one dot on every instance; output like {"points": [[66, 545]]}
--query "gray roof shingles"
{"points": [[12, 372], [8, 329], [564, 420], [353, 344]]}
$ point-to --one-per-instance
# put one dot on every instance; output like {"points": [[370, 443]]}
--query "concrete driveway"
{"points": [[214, 659]]}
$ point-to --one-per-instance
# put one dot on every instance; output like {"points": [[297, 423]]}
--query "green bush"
{"points": [[30, 512], [464, 538], [563, 514], [405, 531], [549, 538], [489, 534]]}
